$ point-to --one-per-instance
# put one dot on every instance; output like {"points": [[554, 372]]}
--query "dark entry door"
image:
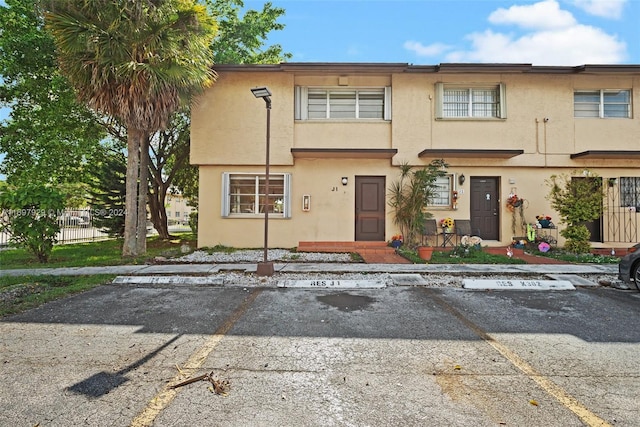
{"points": [[485, 204], [370, 208]]}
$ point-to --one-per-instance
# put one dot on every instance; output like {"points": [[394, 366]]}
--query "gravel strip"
{"points": [[439, 280], [281, 255]]}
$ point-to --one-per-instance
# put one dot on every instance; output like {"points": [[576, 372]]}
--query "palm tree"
{"points": [[136, 61]]}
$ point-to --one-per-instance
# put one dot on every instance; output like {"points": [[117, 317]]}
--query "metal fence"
{"points": [[620, 221], [76, 225]]}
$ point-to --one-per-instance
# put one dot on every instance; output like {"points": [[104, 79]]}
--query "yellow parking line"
{"points": [[568, 401], [161, 400]]}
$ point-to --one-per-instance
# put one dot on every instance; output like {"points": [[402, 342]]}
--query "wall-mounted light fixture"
{"points": [[344, 180], [461, 179]]}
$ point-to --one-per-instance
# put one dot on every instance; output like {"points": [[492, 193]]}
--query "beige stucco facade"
{"points": [[538, 137]]}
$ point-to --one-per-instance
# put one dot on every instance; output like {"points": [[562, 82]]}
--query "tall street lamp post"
{"points": [[265, 268]]}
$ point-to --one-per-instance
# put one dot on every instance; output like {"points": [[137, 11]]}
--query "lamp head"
{"points": [[264, 93]]}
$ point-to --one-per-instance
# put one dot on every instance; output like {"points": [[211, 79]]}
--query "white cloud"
{"points": [[543, 15], [422, 50], [576, 45], [604, 8], [551, 36]]}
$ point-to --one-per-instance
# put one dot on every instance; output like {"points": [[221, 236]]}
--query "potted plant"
{"points": [[447, 225], [409, 196], [425, 252], [396, 241], [544, 221]]}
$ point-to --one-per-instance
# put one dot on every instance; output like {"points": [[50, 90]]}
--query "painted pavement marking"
{"points": [[164, 398], [520, 285], [168, 280], [332, 284], [560, 394]]}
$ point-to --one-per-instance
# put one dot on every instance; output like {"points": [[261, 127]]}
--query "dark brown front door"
{"points": [[370, 208], [485, 206]]}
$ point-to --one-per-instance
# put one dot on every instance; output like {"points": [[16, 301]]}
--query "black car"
{"points": [[629, 267]]}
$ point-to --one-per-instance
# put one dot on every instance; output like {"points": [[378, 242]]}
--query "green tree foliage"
{"points": [[49, 137], [410, 195], [137, 62], [241, 39], [577, 199], [30, 217], [108, 192]]}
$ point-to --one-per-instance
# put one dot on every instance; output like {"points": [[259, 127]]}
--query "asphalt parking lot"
{"points": [[408, 356]]}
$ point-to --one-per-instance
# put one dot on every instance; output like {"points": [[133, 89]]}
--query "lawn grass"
{"points": [[563, 255], [19, 293], [95, 254], [458, 256]]}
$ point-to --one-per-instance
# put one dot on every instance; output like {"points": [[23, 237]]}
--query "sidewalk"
{"points": [[206, 269]]}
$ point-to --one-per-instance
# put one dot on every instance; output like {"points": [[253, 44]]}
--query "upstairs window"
{"points": [[324, 104], [602, 103], [243, 195], [461, 101]]}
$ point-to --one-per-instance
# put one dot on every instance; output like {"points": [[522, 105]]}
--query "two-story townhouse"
{"points": [[339, 131]]}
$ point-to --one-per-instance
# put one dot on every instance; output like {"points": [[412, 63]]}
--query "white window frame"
{"points": [[283, 210], [302, 101], [443, 192], [599, 109], [470, 114]]}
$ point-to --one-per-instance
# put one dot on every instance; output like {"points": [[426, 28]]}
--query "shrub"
{"points": [[30, 217], [577, 199], [409, 196]]}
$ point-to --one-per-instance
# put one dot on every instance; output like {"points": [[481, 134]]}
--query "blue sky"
{"points": [[427, 32]]}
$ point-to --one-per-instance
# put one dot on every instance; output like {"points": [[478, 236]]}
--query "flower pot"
{"points": [[425, 252], [396, 243]]}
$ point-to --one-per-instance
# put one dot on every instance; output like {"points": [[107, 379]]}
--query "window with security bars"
{"points": [[243, 195], [334, 103], [630, 192], [442, 192], [457, 101], [602, 103]]}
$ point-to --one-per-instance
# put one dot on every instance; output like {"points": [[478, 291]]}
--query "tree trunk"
{"points": [[143, 190], [158, 210], [130, 247]]}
